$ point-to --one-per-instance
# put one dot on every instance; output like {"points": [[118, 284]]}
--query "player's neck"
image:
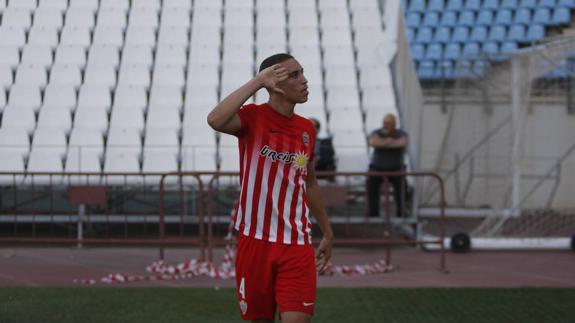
{"points": [[282, 106]]}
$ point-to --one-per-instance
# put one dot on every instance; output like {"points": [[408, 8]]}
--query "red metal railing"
{"points": [[120, 221]]}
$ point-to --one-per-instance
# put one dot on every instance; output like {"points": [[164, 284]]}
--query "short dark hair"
{"points": [[273, 60]]}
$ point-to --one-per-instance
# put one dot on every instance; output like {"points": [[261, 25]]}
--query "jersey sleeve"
{"points": [[247, 118]]}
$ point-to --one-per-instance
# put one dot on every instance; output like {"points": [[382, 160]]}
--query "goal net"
{"points": [[508, 153]]}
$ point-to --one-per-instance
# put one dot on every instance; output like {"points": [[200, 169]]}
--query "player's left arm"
{"points": [[323, 253]]}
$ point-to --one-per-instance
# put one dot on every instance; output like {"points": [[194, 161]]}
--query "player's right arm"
{"points": [[224, 117]]}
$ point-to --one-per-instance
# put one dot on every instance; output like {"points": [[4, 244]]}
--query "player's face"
{"points": [[295, 86]]}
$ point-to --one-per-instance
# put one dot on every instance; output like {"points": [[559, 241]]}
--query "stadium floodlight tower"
{"points": [[508, 153]]}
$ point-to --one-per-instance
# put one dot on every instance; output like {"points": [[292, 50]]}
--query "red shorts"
{"points": [[270, 275]]}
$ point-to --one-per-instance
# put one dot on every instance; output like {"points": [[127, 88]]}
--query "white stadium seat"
{"points": [[125, 118], [44, 161], [173, 35], [82, 160], [197, 137], [112, 36], [19, 118], [25, 97], [95, 97], [340, 76], [6, 78], [334, 17], [163, 139], [88, 4], [168, 75], [336, 36], [76, 36], [204, 54], [239, 4], [342, 97], [86, 141], [50, 140], [123, 5], [209, 4], [137, 54], [171, 55], [203, 17], [60, 96], [332, 4], [17, 18], [198, 158], [102, 75], [32, 75], [124, 139], [303, 18], [338, 56], [143, 17], [112, 17], [14, 142], [129, 96], [270, 17], [80, 17], [147, 4], [175, 17], [158, 161], [199, 96], [9, 56], [87, 118], [48, 18], [60, 5], [66, 75], [270, 4], [301, 5], [204, 74], [239, 35], [206, 35], [271, 36], [166, 98], [177, 4], [103, 54], [136, 75], [11, 36], [43, 36], [141, 36], [26, 5], [304, 36], [51, 117], [71, 55], [238, 17]]}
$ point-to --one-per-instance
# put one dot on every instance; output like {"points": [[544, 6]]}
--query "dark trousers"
{"points": [[373, 191]]}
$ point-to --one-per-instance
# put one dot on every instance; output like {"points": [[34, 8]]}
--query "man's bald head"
{"points": [[389, 123]]}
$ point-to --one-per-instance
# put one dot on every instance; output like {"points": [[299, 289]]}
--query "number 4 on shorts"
{"points": [[243, 288]]}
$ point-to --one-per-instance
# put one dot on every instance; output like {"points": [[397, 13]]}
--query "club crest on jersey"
{"points": [[305, 138], [243, 307]]}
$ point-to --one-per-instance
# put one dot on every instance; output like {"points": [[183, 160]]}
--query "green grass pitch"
{"points": [[164, 305]]}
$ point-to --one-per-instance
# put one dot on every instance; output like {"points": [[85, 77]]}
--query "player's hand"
{"points": [[323, 254], [273, 75]]}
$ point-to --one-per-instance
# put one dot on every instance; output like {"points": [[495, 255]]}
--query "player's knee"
{"points": [[295, 317]]}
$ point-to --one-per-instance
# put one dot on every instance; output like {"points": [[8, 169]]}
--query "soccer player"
{"points": [[275, 263]]}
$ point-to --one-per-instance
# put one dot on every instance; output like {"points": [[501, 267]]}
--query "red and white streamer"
{"points": [[161, 270]]}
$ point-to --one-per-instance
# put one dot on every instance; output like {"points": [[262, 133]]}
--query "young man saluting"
{"points": [[275, 263]]}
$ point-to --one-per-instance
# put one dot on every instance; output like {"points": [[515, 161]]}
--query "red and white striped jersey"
{"points": [[274, 153]]}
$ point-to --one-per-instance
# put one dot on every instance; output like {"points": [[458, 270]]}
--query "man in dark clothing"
{"points": [[324, 153], [389, 146]]}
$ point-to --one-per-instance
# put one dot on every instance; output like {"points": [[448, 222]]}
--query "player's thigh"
{"points": [[254, 280], [296, 280]]}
